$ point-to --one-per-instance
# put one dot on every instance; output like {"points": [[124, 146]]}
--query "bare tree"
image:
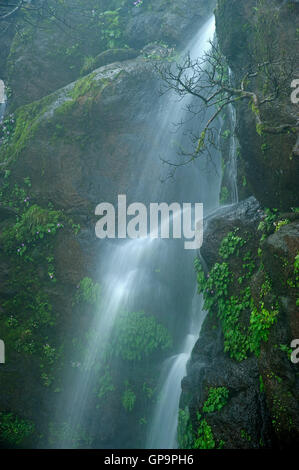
{"points": [[263, 82]]}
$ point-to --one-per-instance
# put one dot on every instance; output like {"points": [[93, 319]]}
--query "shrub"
{"points": [[14, 430], [138, 335]]}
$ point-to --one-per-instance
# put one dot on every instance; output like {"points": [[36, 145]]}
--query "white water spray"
{"points": [[163, 430], [129, 282], [3, 100]]}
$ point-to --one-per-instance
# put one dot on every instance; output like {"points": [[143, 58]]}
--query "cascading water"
{"points": [[163, 430], [151, 275]]}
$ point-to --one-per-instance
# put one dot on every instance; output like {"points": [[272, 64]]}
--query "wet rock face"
{"points": [[169, 22], [246, 408], [246, 213], [281, 376], [268, 163], [244, 421], [88, 136], [262, 406], [47, 58]]}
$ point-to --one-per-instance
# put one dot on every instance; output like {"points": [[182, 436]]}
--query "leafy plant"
{"points": [[13, 429], [128, 398], [185, 432], [138, 335], [105, 385], [216, 400], [230, 245], [261, 321], [88, 291], [204, 438]]}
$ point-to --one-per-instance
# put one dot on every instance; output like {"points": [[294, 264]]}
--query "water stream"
{"points": [[2, 100], [163, 429]]}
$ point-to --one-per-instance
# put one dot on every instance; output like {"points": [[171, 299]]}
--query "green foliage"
{"points": [[226, 134], [148, 391], [7, 129], [14, 430], [29, 316], [185, 432], [261, 321], [248, 265], [33, 225], [235, 338], [268, 224], [105, 384], [296, 268], [88, 64], [230, 245], [201, 142], [216, 400], [240, 337], [137, 336], [87, 292], [281, 223], [204, 438], [245, 436], [286, 349], [128, 398]]}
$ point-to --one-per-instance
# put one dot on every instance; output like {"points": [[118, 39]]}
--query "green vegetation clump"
{"points": [[216, 400], [203, 437], [14, 430], [241, 336], [29, 240], [88, 292], [105, 386], [138, 335], [128, 398], [34, 224], [230, 245], [185, 431]]}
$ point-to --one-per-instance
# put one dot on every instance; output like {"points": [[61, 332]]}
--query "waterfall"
{"points": [[2, 100], [163, 430], [151, 275]]}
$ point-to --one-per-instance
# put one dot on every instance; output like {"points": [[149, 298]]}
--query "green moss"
{"points": [[28, 119], [128, 398], [29, 319]]}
